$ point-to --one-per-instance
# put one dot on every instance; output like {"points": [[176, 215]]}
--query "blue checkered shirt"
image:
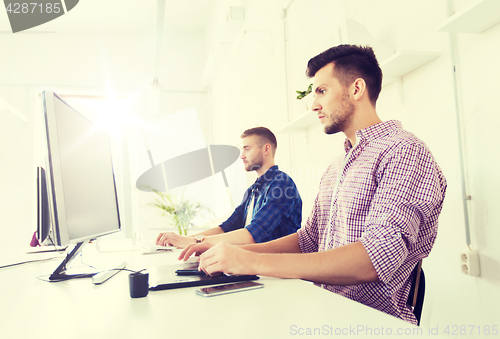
{"points": [[277, 208]]}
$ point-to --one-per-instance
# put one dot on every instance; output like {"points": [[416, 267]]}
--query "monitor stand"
{"points": [[97, 277], [60, 272]]}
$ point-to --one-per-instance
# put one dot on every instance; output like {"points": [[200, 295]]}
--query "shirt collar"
{"points": [[266, 177], [364, 136]]}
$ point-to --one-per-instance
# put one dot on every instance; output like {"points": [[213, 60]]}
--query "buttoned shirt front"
{"points": [[387, 193], [277, 208]]}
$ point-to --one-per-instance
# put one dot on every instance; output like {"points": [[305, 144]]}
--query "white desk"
{"points": [[31, 308]]}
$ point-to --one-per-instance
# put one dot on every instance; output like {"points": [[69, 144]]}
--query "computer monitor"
{"points": [[80, 183], [43, 214]]}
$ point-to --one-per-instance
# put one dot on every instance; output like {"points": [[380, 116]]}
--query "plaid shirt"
{"points": [[277, 208], [386, 192]]}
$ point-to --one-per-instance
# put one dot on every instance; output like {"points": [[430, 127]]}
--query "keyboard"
{"points": [[153, 248]]}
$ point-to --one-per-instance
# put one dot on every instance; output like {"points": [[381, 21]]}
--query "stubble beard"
{"points": [[249, 167], [341, 118], [253, 167]]}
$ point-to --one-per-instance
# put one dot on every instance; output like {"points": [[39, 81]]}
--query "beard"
{"points": [[255, 164], [341, 118]]}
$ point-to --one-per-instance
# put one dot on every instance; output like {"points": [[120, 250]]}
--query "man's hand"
{"points": [[226, 258], [195, 249], [173, 239]]}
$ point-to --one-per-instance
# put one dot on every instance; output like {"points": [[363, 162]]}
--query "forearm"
{"points": [[287, 244], [211, 231], [346, 265], [237, 237]]}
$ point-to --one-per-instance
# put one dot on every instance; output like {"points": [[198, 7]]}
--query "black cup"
{"points": [[138, 284]]}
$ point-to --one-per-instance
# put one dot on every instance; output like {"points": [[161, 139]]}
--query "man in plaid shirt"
{"points": [[377, 209]]}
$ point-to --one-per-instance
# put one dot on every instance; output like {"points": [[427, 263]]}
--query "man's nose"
{"points": [[315, 105]]}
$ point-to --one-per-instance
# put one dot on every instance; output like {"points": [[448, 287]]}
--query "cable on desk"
{"points": [[55, 247], [123, 269], [29, 261], [84, 263], [85, 275]]}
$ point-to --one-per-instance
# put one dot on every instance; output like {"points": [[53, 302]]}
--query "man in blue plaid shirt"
{"points": [[271, 207]]}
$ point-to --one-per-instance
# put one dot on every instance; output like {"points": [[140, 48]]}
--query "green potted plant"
{"points": [[182, 210], [302, 94], [305, 99]]}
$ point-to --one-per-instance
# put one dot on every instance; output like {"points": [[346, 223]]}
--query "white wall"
{"points": [[16, 152], [257, 90]]}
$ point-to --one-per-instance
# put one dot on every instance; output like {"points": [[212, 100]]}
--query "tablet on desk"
{"points": [[165, 278]]}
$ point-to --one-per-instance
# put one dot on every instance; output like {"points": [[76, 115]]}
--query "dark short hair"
{"points": [[351, 62], [265, 135]]}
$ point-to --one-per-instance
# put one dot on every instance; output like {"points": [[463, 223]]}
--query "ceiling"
{"points": [[124, 16], [123, 26]]}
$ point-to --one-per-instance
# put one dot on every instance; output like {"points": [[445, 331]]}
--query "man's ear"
{"points": [[358, 89], [267, 148]]}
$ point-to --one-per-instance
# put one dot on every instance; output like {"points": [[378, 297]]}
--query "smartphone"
{"points": [[228, 288]]}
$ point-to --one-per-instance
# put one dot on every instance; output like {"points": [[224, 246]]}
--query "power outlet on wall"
{"points": [[470, 263]]}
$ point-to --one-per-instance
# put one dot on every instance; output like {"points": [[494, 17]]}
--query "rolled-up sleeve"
{"points": [[279, 202], [235, 221], [408, 191], [308, 234]]}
